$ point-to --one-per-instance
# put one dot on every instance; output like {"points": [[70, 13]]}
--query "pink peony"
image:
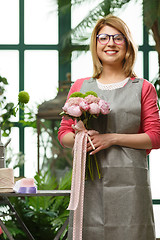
{"points": [[65, 107], [91, 99], [104, 106], [74, 101], [94, 108], [84, 106], [74, 111]]}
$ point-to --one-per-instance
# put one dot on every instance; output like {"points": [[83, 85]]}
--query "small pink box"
{"points": [[27, 182]]}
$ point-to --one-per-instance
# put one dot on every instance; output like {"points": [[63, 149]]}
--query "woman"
{"points": [[119, 205]]}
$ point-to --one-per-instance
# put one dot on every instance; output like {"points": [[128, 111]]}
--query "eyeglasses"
{"points": [[105, 38]]}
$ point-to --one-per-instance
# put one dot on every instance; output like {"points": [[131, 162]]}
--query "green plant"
{"points": [[61, 204], [8, 109]]}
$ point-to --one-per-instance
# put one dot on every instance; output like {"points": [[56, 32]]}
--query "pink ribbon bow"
{"points": [[78, 179]]}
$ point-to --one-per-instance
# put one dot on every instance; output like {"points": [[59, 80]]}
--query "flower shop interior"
{"points": [[44, 48]]}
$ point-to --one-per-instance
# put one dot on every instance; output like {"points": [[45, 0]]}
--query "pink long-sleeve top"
{"points": [[150, 119]]}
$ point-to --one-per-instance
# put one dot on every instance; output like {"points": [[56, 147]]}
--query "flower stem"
{"points": [[99, 174], [90, 167]]}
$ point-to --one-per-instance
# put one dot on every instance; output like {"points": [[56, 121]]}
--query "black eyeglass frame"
{"points": [[113, 36]]}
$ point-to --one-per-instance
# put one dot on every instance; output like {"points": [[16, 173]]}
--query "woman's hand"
{"points": [[100, 141], [103, 141]]}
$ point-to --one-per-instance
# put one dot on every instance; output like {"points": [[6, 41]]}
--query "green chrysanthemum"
{"points": [[90, 93], [77, 94], [23, 97]]}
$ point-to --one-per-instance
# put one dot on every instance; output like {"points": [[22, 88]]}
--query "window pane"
{"points": [[46, 150], [30, 168], [31, 149], [9, 21], [9, 69], [153, 65], [131, 14], [156, 209], [31, 165], [81, 65], [151, 39], [78, 13], [154, 173], [138, 68], [41, 22], [81, 10], [41, 76]]}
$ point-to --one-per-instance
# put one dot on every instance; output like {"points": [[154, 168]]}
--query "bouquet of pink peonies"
{"points": [[79, 105], [84, 107]]}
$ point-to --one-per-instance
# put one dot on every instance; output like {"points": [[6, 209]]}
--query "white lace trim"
{"points": [[111, 86]]}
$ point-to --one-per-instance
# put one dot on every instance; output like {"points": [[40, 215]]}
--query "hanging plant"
{"points": [[8, 109]]}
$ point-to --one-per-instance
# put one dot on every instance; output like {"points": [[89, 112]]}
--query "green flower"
{"points": [[23, 97], [90, 93], [77, 94]]}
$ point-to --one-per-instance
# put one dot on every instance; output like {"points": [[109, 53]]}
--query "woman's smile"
{"points": [[111, 52]]}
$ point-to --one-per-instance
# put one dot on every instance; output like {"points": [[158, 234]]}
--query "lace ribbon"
{"points": [[78, 179]]}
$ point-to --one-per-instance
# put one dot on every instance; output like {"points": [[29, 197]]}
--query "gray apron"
{"points": [[119, 206]]}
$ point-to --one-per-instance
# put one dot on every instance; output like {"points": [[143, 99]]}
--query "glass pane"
{"points": [[46, 151], [78, 13], [41, 22], [9, 69], [30, 168], [81, 10], [153, 65], [82, 65], [154, 173], [151, 39], [41, 76], [9, 21], [138, 68], [12, 150], [131, 14], [31, 164], [156, 209]]}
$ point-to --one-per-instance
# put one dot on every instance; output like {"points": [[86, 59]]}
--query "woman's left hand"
{"points": [[100, 141], [103, 141]]}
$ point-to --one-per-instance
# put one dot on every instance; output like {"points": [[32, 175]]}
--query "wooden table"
{"points": [[4, 198]]}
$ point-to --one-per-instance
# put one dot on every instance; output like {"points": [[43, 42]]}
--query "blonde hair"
{"points": [[131, 48]]}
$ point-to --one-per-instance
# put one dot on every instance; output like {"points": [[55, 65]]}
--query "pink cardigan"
{"points": [[150, 119]]}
